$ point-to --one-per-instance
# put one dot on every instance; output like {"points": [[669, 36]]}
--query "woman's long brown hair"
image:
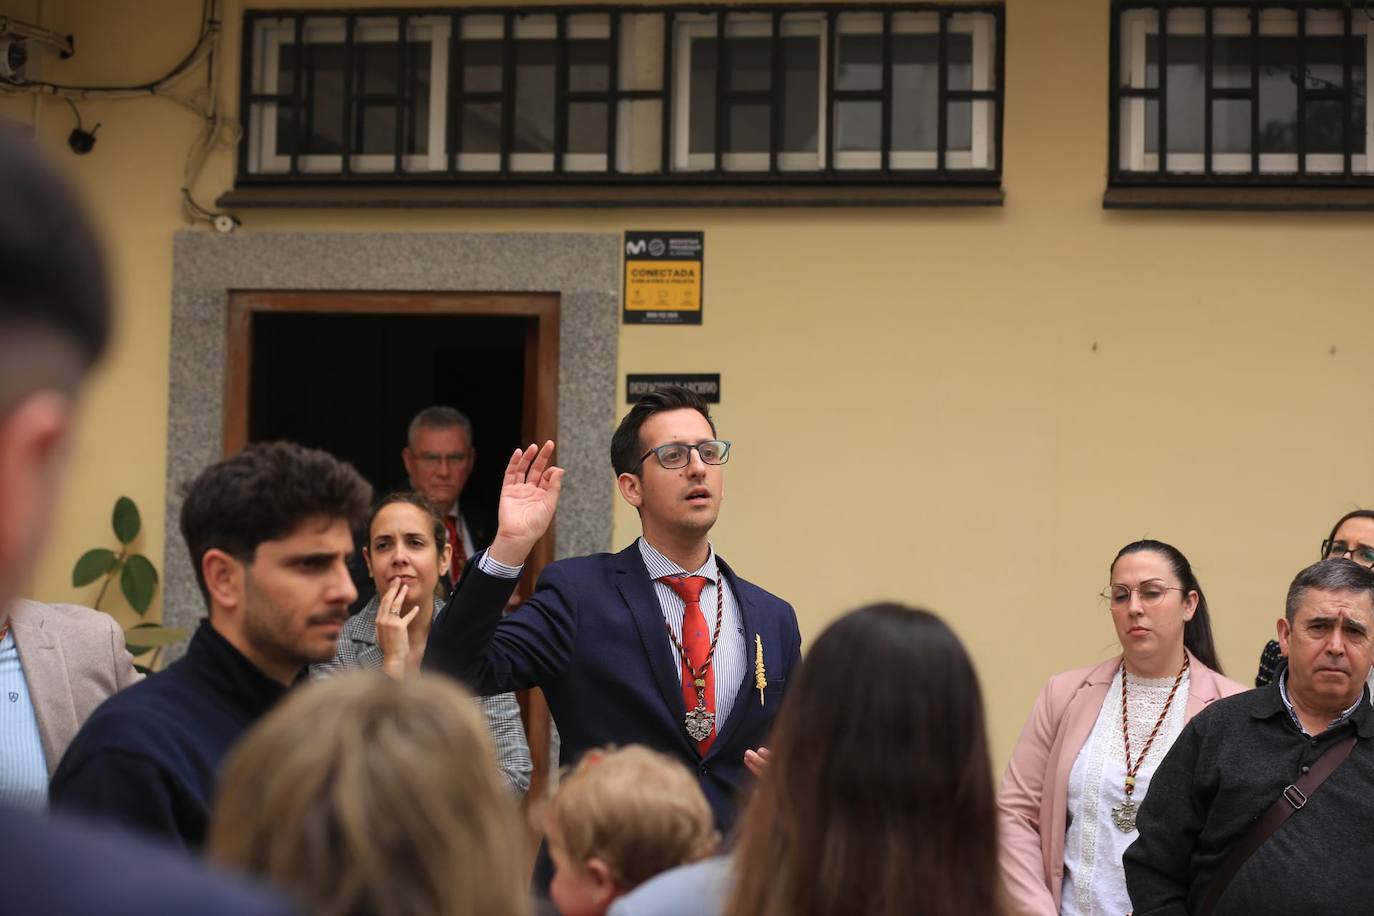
{"points": [[879, 799]]}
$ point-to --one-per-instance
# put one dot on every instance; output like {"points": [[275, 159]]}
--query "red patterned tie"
{"points": [[460, 555], [696, 640]]}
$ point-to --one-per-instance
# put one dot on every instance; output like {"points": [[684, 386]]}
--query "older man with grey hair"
{"points": [[1265, 801]]}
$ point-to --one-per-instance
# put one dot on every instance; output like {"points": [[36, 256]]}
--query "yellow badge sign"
{"points": [[663, 285], [663, 277]]}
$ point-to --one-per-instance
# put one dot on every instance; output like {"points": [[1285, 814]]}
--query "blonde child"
{"points": [[619, 818]]}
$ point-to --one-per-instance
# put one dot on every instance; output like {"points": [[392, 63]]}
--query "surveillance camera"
{"points": [[225, 224], [14, 54]]}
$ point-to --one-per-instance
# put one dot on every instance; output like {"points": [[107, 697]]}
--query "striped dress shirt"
{"points": [[23, 764]]}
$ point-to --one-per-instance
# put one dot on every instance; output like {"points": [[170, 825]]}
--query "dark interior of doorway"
{"points": [[350, 383]]}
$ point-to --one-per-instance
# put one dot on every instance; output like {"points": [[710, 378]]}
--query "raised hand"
{"points": [[529, 498], [392, 636]]}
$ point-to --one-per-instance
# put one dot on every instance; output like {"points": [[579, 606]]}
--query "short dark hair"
{"points": [[263, 493], [626, 446], [1197, 633], [410, 498], [1334, 575], [52, 275]]}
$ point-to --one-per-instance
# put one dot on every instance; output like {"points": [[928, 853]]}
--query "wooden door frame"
{"points": [[539, 412]]}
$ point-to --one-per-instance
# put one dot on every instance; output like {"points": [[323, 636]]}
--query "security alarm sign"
{"points": [[663, 277]]}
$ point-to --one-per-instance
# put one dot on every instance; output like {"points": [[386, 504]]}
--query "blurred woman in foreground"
{"points": [[878, 795], [368, 795]]}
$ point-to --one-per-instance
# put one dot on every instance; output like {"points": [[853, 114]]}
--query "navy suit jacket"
{"points": [[592, 637]]}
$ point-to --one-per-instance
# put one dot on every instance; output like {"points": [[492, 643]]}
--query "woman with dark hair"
{"points": [[406, 552], [1084, 760], [1352, 537], [878, 798]]}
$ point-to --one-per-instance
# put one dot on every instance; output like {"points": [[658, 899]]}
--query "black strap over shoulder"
{"points": [[1290, 801]]}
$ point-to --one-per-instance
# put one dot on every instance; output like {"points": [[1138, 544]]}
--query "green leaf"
{"points": [[138, 581], [142, 637], [126, 520], [92, 565]]}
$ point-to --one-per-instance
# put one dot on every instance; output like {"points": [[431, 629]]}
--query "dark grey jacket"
{"points": [[1227, 766]]}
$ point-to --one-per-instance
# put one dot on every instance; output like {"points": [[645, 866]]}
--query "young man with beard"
{"points": [[270, 531]]}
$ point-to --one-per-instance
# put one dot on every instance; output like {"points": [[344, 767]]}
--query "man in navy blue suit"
{"points": [[661, 644]]}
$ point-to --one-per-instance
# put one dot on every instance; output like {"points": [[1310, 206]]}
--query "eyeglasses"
{"points": [[1360, 553], [434, 459], [676, 455], [1151, 594]]}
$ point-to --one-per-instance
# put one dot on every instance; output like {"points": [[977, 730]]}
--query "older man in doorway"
{"points": [[1264, 802]]}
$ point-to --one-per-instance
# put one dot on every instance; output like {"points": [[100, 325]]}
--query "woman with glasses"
{"points": [[1352, 538], [1083, 764]]}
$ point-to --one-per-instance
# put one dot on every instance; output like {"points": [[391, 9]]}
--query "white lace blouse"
{"points": [[1094, 881]]}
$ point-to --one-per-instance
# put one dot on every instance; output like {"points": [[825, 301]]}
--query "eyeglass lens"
{"points": [[1360, 553], [1150, 593], [678, 455]]}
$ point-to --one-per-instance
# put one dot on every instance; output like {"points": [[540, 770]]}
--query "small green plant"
{"points": [[137, 581]]}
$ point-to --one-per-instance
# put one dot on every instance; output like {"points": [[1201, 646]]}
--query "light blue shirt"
{"points": [[691, 890], [23, 765]]}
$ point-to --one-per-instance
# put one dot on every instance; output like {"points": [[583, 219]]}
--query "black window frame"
{"points": [[1209, 177], [829, 174]]}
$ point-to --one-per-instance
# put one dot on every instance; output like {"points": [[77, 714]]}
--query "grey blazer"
{"points": [[357, 648], [73, 660]]}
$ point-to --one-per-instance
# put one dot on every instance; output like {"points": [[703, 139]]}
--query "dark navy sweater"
{"points": [[149, 756]]}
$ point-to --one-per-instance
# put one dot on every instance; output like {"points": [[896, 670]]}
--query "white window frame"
{"points": [[693, 27], [1137, 26], [542, 27], [269, 37], [982, 30], [689, 28]]}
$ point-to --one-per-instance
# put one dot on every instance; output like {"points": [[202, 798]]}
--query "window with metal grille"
{"points": [[647, 94], [1241, 93]]}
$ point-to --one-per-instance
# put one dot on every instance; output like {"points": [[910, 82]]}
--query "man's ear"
{"points": [[224, 578], [33, 438], [408, 459], [604, 886], [631, 489], [1285, 631]]}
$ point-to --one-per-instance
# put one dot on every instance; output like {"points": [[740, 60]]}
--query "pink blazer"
{"points": [[1033, 800]]}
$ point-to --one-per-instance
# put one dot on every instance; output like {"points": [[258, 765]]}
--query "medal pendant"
{"points": [[1123, 815], [699, 723]]}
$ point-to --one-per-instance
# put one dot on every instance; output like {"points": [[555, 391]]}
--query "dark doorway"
{"points": [[345, 371], [350, 383]]}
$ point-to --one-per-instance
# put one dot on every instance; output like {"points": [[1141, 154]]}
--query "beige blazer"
{"points": [[73, 660], [1033, 802]]}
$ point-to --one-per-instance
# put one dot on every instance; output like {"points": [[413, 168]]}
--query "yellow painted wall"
{"points": [[969, 410]]}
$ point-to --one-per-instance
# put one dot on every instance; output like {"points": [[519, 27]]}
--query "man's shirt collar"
{"points": [[660, 566], [1344, 717]]}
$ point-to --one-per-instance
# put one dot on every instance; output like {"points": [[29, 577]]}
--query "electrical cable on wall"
{"points": [[204, 104]]}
